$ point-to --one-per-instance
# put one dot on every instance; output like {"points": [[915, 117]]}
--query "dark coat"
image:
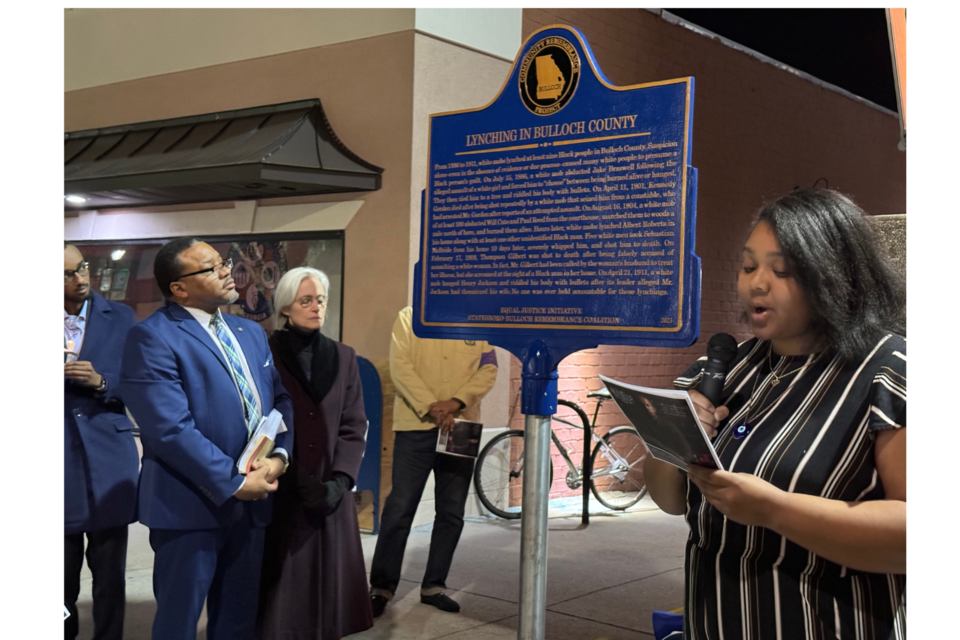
{"points": [[100, 459], [314, 583]]}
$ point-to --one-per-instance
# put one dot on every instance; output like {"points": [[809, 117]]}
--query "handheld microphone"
{"points": [[721, 351]]}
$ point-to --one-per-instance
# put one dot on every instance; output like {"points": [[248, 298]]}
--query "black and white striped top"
{"points": [[749, 583]]}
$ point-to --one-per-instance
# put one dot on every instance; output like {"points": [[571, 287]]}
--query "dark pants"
{"points": [[414, 457], [219, 565], [107, 559]]}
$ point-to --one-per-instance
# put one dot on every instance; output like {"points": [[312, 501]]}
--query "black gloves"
{"points": [[320, 495]]}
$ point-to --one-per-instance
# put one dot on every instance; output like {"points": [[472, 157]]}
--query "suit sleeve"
{"points": [[352, 437], [480, 382], [150, 386], [402, 371], [127, 320], [282, 402]]}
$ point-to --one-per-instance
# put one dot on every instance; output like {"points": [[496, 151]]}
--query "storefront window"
{"points": [[123, 271]]}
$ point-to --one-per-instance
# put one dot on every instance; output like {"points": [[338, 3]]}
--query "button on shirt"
{"points": [[203, 318], [74, 328]]}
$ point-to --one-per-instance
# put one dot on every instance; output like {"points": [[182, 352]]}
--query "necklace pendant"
{"points": [[742, 430]]}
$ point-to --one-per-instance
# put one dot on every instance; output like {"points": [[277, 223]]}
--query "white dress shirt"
{"points": [[74, 328]]}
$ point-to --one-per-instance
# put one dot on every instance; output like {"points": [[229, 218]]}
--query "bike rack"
{"points": [[587, 464]]}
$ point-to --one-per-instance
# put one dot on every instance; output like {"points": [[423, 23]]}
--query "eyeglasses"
{"points": [[226, 264], [83, 269], [306, 301]]}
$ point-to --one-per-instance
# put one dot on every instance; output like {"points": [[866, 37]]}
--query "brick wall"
{"points": [[759, 131]]}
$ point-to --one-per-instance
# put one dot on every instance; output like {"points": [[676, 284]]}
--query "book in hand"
{"points": [[262, 441], [462, 440], [668, 423]]}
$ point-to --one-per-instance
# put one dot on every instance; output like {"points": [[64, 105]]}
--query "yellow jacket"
{"points": [[425, 371]]}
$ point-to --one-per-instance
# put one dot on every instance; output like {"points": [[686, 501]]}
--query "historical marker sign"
{"points": [[563, 210]]}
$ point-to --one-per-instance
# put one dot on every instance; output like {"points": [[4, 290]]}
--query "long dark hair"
{"points": [[855, 294]]}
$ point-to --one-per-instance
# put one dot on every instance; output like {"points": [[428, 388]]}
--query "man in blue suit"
{"points": [[100, 459], [198, 382]]}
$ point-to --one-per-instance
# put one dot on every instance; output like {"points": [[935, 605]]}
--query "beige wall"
{"points": [[496, 31], [366, 88], [439, 67], [104, 46], [439, 86]]}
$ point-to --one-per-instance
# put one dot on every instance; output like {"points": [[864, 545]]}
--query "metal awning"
{"points": [[286, 149]]}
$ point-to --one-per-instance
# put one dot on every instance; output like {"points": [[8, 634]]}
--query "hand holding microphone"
{"points": [[710, 416], [721, 351]]}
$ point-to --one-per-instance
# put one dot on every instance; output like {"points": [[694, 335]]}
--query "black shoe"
{"points": [[378, 604], [441, 601]]}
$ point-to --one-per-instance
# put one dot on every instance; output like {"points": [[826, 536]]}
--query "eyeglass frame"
{"points": [[312, 299], [228, 263], [70, 274]]}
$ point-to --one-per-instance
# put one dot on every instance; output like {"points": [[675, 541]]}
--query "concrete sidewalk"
{"points": [[604, 581]]}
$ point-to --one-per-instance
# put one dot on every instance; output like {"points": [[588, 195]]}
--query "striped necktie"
{"points": [[250, 410]]}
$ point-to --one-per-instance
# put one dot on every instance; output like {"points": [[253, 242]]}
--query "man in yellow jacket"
{"points": [[437, 381]]}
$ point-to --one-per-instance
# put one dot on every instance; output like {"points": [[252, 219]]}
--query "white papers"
{"points": [[667, 421], [262, 441]]}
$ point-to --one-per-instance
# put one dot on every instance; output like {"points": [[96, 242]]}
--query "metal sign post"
{"points": [[559, 217], [538, 403]]}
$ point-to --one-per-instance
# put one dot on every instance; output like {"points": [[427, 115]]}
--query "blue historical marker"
{"points": [[563, 211], [559, 217]]}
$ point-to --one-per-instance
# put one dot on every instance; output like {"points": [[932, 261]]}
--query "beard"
{"points": [[231, 297], [78, 297]]}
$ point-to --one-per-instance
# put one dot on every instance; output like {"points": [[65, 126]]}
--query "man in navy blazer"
{"points": [[197, 382], [100, 459]]}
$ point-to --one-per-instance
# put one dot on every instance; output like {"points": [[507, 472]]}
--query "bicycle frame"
{"points": [[618, 466]]}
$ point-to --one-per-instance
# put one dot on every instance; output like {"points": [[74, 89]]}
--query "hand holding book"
{"points": [[443, 412], [262, 441]]}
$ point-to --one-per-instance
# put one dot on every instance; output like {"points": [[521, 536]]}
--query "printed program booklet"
{"points": [[668, 423], [262, 441], [463, 440]]}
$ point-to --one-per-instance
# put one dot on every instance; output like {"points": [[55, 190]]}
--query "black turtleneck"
{"points": [[311, 357], [301, 341]]}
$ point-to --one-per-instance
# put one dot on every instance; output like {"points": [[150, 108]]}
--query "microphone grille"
{"points": [[722, 347]]}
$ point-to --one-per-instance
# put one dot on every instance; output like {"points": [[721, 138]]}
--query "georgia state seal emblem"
{"points": [[549, 75]]}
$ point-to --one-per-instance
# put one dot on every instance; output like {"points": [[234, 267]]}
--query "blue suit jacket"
{"points": [[178, 387], [100, 460]]}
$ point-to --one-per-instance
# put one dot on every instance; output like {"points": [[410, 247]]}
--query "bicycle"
{"points": [[617, 485]]}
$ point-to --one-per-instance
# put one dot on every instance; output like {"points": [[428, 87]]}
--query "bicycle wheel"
{"points": [[498, 476], [617, 480]]}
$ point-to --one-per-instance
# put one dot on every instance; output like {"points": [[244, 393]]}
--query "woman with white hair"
{"points": [[314, 583]]}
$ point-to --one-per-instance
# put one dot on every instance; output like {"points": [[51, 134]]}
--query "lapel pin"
{"points": [[239, 328]]}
